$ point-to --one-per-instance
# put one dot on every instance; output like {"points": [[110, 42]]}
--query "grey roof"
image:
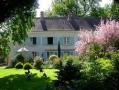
{"points": [[65, 23]]}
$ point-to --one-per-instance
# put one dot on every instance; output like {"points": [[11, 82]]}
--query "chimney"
{"points": [[42, 20]]}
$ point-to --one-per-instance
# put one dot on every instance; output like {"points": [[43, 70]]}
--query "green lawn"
{"points": [[14, 79]]}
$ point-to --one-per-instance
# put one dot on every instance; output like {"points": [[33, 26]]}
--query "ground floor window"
{"points": [[34, 54]]}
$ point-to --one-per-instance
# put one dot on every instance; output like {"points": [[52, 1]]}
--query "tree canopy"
{"points": [[8, 7], [16, 19], [73, 7]]}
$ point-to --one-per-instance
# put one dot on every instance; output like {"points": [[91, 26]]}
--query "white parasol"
{"points": [[23, 49]]}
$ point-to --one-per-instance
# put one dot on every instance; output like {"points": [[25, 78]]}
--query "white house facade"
{"points": [[48, 31]]}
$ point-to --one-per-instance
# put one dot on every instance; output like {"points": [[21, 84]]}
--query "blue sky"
{"points": [[45, 5]]}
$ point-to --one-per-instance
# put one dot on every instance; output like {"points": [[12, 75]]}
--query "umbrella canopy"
{"points": [[23, 49]]}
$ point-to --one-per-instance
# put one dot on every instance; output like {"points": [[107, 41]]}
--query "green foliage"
{"points": [[27, 66], [115, 10], [8, 11], [66, 74], [56, 61], [94, 51], [115, 59], [15, 28], [38, 61], [94, 73], [21, 24], [98, 70], [105, 67], [76, 59], [19, 65], [64, 7], [101, 12], [53, 57], [20, 58], [72, 7], [59, 50], [4, 44], [88, 5]]}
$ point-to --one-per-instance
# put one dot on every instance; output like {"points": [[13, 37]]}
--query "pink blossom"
{"points": [[106, 33]]}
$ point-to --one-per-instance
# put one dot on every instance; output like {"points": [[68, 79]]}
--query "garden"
{"points": [[95, 67]]}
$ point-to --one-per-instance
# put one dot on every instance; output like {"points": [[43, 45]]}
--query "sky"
{"points": [[45, 5]]}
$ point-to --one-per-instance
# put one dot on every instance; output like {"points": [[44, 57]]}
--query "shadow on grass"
{"points": [[20, 82]]}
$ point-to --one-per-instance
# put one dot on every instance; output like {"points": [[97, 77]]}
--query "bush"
{"points": [[105, 66], [27, 66], [38, 61], [20, 58], [66, 74], [57, 63], [19, 65], [53, 58], [95, 73]]}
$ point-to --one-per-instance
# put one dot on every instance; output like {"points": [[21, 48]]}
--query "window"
{"points": [[33, 39], [34, 54], [66, 40], [50, 40]]}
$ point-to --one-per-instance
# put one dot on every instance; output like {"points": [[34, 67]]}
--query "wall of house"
{"points": [[41, 47]]}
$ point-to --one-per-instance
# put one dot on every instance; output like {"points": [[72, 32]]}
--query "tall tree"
{"points": [[88, 5], [73, 7], [115, 9], [101, 11], [8, 7], [59, 50], [64, 7], [106, 35], [116, 1], [15, 22]]}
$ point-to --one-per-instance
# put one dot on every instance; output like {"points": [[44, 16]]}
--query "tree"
{"points": [[59, 50], [115, 9], [64, 7], [72, 7], [88, 5], [101, 12], [8, 7], [106, 35], [116, 1], [15, 22]]}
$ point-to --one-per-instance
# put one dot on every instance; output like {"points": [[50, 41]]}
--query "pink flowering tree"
{"points": [[105, 35]]}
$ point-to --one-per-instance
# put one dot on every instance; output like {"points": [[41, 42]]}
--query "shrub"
{"points": [[38, 61], [53, 58], [105, 66], [57, 63], [67, 73], [95, 73], [20, 58], [19, 65], [27, 66]]}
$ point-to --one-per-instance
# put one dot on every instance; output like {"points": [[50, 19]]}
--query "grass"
{"points": [[14, 79]]}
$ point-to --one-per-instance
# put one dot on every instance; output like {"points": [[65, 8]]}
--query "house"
{"points": [[48, 31]]}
